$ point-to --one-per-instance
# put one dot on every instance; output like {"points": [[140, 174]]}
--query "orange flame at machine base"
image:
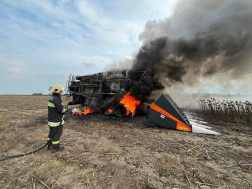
{"points": [[109, 111], [85, 112], [130, 103]]}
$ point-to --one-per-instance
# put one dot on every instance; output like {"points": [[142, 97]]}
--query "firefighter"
{"points": [[55, 117]]}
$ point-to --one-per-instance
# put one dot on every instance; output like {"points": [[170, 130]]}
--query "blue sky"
{"points": [[42, 42]]}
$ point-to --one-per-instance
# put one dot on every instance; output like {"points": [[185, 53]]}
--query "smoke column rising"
{"points": [[202, 39]]}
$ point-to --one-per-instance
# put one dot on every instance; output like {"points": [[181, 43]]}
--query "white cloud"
{"points": [[14, 70], [14, 63], [89, 65]]}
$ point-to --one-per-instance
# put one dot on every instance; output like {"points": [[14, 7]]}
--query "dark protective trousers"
{"points": [[58, 132]]}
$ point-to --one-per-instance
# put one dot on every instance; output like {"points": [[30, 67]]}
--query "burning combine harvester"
{"points": [[114, 93]]}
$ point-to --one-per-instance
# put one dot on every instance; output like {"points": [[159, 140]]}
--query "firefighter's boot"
{"points": [[57, 147], [49, 144]]}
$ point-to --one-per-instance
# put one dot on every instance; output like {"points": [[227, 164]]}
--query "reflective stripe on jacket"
{"points": [[55, 124]]}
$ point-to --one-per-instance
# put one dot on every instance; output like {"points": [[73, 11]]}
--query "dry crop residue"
{"points": [[109, 152]]}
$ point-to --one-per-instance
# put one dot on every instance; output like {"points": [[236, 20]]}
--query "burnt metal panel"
{"points": [[161, 120]]}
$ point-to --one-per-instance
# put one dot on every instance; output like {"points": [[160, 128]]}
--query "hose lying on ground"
{"points": [[8, 157]]}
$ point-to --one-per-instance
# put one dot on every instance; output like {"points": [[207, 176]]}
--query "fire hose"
{"points": [[19, 155]]}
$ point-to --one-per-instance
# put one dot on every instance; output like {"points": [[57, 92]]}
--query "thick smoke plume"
{"points": [[202, 39], [143, 88]]}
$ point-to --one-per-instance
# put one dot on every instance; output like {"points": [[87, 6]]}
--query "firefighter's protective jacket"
{"points": [[55, 111]]}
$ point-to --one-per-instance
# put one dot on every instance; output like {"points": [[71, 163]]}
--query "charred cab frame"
{"points": [[105, 89]]}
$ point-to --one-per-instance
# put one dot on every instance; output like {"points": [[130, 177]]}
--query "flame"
{"points": [[78, 112], [109, 111], [85, 112], [130, 103]]}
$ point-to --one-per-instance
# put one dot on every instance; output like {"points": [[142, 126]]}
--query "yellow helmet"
{"points": [[56, 88]]}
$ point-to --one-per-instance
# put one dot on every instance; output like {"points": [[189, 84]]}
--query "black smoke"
{"points": [[201, 39], [142, 89]]}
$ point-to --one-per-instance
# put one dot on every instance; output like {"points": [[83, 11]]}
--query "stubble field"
{"points": [[108, 152]]}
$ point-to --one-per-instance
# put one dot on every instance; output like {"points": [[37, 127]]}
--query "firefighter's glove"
{"points": [[65, 111]]}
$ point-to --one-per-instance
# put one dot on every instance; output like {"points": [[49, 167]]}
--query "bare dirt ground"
{"points": [[108, 152]]}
